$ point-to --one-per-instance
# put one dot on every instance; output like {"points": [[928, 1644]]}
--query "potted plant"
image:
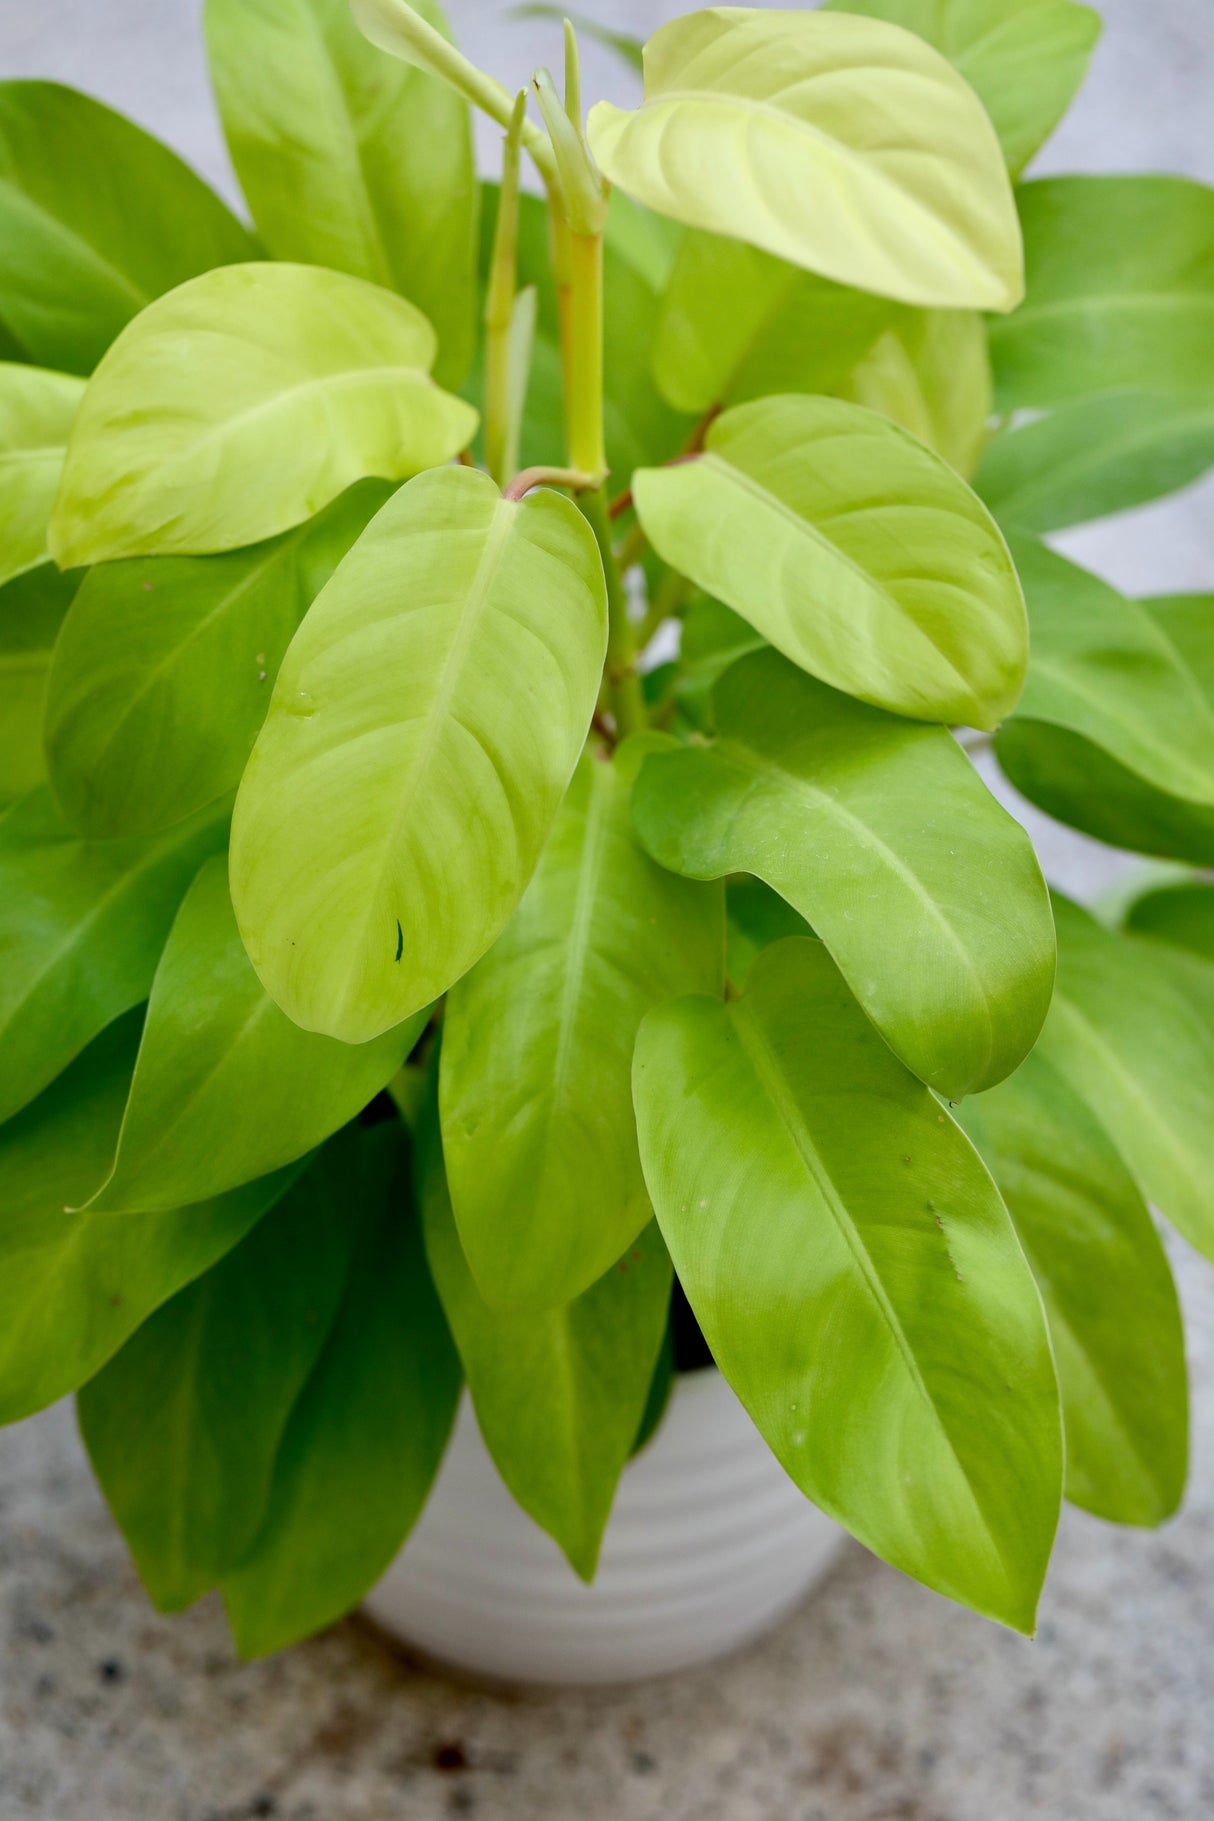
{"points": [[491, 892]]}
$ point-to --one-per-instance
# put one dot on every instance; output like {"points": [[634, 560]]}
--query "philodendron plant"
{"points": [[414, 975]]}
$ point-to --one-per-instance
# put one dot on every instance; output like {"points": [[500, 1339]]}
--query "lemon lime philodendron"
{"points": [[411, 974]]}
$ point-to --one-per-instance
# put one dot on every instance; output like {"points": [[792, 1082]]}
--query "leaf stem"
{"points": [[501, 426], [573, 478], [625, 696]]}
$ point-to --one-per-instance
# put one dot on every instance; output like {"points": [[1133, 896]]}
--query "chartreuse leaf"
{"points": [[183, 1425], [539, 1119], [31, 612], [82, 924], [1095, 456], [713, 638], [163, 671], [1023, 58], [736, 324], [840, 144], [75, 1286], [1115, 730], [856, 1277], [226, 1088], [242, 403], [349, 160], [1137, 1044], [559, 1394], [857, 552], [930, 371], [366, 1436], [36, 413], [80, 260], [755, 917], [865, 823], [1109, 1296], [1180, 915], [426, 721], [1120, 290], [629, 48]]}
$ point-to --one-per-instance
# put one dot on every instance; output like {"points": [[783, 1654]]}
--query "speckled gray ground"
{"points": [[876, 1702]]}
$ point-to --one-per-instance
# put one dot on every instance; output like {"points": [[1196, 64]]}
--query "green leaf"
{"points": [[755, 918], [1109, 1296], [226, 1088], [183, 1425], [82, 924], [1180, 915], [713, 638], [365, 1439], [75, 1286], [1023, 58], [1115, 731], [1096, 456], [931, 373], [622, 43], [1120, 290], [241, 404], [737, 324], [163, 672], [36, 413], [425, 724], [836, 143], [867, 823], [1134, 1041], [96, 218], [857, 1278], [537, 1050], [31, 612], [349, 160], [560, 1394], [857, 552]]}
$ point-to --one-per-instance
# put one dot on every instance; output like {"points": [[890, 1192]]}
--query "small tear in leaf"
{"points": [[400, 940]]}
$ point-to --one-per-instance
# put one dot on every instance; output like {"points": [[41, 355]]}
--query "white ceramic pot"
{"points": [[708, 1545]]}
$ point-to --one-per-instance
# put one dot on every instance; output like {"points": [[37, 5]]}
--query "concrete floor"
{"points": [[876, 1702]]}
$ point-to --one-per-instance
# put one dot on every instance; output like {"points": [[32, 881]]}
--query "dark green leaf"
{"points": [[31, 612], [96, 219], [365, 1439]]}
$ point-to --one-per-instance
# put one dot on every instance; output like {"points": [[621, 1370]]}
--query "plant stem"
{"points": [[587, 449], [624, 693], [501, 431], [573, 478]]}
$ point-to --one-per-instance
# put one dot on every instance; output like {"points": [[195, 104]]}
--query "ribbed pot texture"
{"points": [[709, 1544]]}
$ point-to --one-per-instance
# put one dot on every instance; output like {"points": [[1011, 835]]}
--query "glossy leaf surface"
{"points": [[426, 721], [1120, 290], [560, 1394], [1115, 731], [736, 323], [241, 404], [1024, 59], [854, 550], [75, 1286], [1135, 1042], [82, 924], [1109, 1296], [36, 413], [1095, 456], [867, 823], [165, 667], [349, 160], [538, 1127], [837, 143], [31, 612], [183, 1425], [930, 371], [226, 1088], [365, 1438], [80, 258], [857, 1278]]}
